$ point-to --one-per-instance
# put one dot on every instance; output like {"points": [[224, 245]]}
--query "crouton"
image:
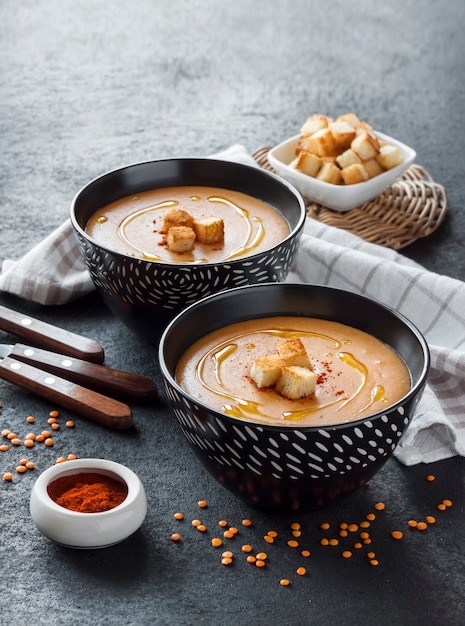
{"points": [[354, 174], [209, 230], [343, 134], [315, 123], [365, 145], [389, 157], [177, 217], [372, 168], [266, 370], [330, 173], [321, 143], [293, 352], [296, 382], [349, 118], [180, 239], [364, 127], [307, 163], [348, 157]]}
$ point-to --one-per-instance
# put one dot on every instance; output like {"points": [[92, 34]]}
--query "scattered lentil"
{"points": [[7, 476], [347, 554], [217, 542], [430, 478], [226, 561], [21, 469], [246, 522], [374, 562], [178, 516], [397, 534], [54, 413], [196, 522], [175, 537], [251, 558], [301, 571], [227, 554], [259, 563], [4, 448], [430, 519], [202, 504], [447, 503], [247, 548], [30, 419], [412, 523], [380, 506], [201, 528], [305, 553], [284, 582], [268, 539], [422, 526], [292, 543], [69, 424]]}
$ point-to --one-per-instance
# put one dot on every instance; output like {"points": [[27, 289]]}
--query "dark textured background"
{"points": [[90, 86]]}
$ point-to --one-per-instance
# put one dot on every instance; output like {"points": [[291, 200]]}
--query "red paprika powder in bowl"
{"points": [[88, 503]]}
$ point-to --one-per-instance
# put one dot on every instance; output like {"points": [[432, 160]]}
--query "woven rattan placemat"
{"points": [[411, 208]]}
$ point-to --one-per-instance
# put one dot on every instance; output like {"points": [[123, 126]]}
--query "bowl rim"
{"points": [[233, 262], [415, 389], [345, 190], [79, 466]]}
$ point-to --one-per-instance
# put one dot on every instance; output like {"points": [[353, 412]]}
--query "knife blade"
{"points": [[50, 337], [86, 402], [106, 380]]}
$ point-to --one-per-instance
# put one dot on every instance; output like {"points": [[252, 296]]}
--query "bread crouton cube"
{"points": [[307, 163], [296, 382], [266, 370], [330, 173], [343, 134], [209, 230], [372, 168], [389, 157], [348, 157], [314, 123], [364, 127], [365, 145], [321, 143], [180, 239], [292, 352], [177, 217], [349, 118], [354, 174]]}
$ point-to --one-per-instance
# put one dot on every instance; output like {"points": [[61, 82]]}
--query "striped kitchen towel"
{"points": [[53, 273]]}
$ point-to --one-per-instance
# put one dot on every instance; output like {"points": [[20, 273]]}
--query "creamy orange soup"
{"points": [[357, 375], [134, 225]]}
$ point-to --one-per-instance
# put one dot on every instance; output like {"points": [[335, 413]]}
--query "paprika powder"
{"points": [[87, 492]]}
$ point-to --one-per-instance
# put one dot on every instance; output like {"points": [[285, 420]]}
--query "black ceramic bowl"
{"points": [[147, 294], [292, 468]]}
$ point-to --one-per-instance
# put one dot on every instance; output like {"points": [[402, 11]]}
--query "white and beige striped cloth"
{"points": [[52, 273]]}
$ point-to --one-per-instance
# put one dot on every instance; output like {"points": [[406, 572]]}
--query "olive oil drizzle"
{"points": [[239, 407], [253, 226]]}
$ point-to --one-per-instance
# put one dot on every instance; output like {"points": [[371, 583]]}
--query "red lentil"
{"points": [[295, 526], [430, 478], [69, 424], [196, 522], [72, 457], [227, 554], [201, 528], [226, 561], [371, 555], [324, 526], [447, 502], [175, 537], [397, 534], [259, 563], [246, 522], [49, 442], [8, 476], [380, 506], [272, 533], [261, 556], [292, 543], [305, 553], [430, 519], [268, 539], [352, 528], [217, 542], [21, 469], [347, 554], [51, 420], [60, 459], [441, 507], [30, 465], [358, 545], [223, 522], [374, 562], [296, 533], [324, 541], [247, 548], [251, 558], [422, 526], [202, 504], [333, 542], [29, 443], [412, 523], [4, 448], [30, 419], [301, 571], [284, 582], [370, 517], [54, 413]]}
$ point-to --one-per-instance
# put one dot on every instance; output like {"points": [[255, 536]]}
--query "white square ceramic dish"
{"points": [[338, 197]]}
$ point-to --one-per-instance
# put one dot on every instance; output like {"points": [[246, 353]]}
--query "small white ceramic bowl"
{"points": [[338, 197], [88, 530]]}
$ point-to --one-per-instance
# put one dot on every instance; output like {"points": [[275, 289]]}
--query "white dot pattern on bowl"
{"points": [[290, 455], [140, 282]]}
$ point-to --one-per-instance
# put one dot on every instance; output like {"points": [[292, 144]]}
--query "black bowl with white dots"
{"points": [[147, 294], [281, 468]]}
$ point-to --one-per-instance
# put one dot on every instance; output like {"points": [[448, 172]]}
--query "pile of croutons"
{"points": [[288, 371], [344, 151], [182, 230]]}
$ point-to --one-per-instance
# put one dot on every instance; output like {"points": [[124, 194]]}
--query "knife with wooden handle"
{"points": [[50, 337], [123, 385], [91, 404]]}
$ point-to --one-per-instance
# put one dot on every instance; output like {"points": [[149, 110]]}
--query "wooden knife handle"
{"points": [[99, 377], [50, 337], [90, 404]]}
